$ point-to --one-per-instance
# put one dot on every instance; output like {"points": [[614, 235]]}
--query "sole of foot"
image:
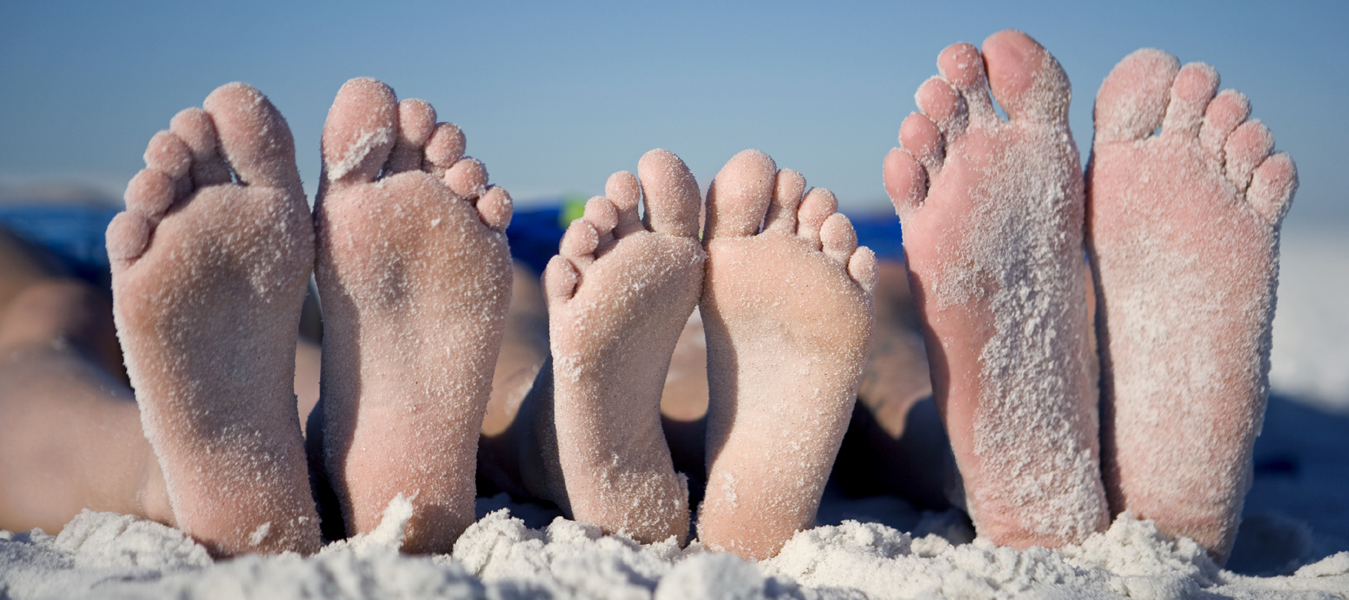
{"points": [[1185, 199], [992, 212], [210, 262], [619, 293], [788, 310], [414, 274]]}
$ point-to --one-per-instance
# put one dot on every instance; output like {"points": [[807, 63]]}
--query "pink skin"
{"points": [[210, 264], [992, 212], [1183, 231], [788, 309], [619, 293], [414, 275]]}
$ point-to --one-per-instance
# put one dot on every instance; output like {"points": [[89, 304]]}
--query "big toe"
{"points": [[740, 194], [671, 192], [1133, 99], [360, 131], [254, 137], [1027, 81]]}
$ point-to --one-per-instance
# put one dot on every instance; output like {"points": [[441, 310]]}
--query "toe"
{"points": [[467, 178], [838, 238], [671, 194], [905, 181], [254, 137], [579, 242], [863, 269], [127, 236], [940, 103], [1246, 148], [168, 154], [194, 127], [624, 192], [602, 215], [740, 194], [559, 280], [495, 208], [445, 148], [416, 123], [1132, 101], [1227, 111], [920, 137], [787, 192], [359, 132], [1272, 187], [1194, 86], [818, 205], [150, 194], [1027, 81], [963, 67]]}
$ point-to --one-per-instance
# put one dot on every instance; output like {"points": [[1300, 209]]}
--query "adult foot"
{"points": [[1183, 230], [992, 212], [209, 267], [414, 275], [788, 310], [619, 293]]}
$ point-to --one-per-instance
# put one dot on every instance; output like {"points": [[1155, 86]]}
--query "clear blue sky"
{"points": [[555, 96]]}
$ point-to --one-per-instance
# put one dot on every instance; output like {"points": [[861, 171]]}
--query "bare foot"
{"points": [[619, 293], [210, 263], [1184, 233], [992, 212], [788, 311], [414, 275]]}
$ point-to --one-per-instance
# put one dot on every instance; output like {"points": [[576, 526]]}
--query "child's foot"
{"points": [[619, 293], [210, 263], [1183, 230], [992, 213], [414, 275], [788, 310]]}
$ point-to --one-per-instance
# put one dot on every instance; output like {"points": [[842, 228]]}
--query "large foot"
{"points": [[1183, 232], [788, 310], [210, 263], [619, 294], [414, 274], [992, 212]]}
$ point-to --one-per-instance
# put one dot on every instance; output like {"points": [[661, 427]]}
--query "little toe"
{"points": [[559, 279], [863, 269], [1227, 111], [254, 137], [467, 178], [1132, 101], [127, 237], [625, 192], [1025, 78], [739, 195], [1272, 187], [194, 127], [416, 123], [495, 208], [940, 103], [838, 238], [818, 205], [962, 66], [1194, 86], [787, 193], [905, 181], [359, 132], [919, 136], [671, 193], [1246, 148]]}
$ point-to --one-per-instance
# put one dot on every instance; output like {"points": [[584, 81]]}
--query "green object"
{"points": [[573, 207]]}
